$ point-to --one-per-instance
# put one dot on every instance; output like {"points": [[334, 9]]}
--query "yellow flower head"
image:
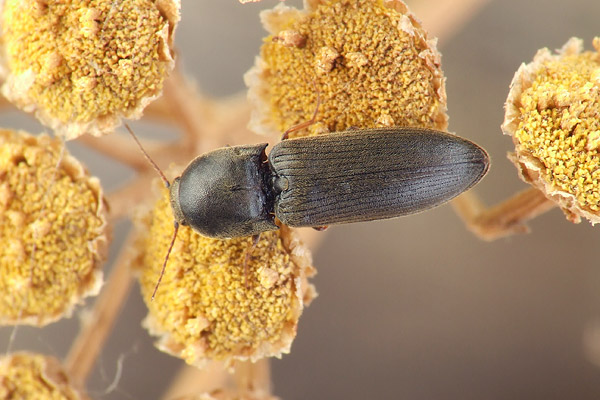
{"points": [[553, 115], [207, 307], [82, 64], [52, 230], [370, 60], [34, 376]]}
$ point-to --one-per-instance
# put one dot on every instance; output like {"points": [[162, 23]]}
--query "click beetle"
{"points": [[353, 176], [343, 177]]}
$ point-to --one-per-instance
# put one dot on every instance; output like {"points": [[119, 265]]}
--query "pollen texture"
{"points": [[34, 376], [83, 61], [558, 127], [52, 226], [209, 306], [370, 63]]}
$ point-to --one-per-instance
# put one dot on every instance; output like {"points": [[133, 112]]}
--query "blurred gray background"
{"points": [[412, 308]]}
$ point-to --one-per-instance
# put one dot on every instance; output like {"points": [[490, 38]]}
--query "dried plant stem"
{"points": [[229, 120], [209, 124], [182, 104], [191, 381], [443, 18], [97, 326], [504, 219], [248, 378], [218, 122], [124, 200], [120, 148], [253, 377], [3, 102], [223, 121]]}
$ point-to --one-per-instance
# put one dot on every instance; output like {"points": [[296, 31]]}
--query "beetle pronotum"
{"points": [[351, 176]]}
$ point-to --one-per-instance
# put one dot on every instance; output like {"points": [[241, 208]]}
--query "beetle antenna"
{"points": [[175, 223], [308, 123], [162, 271], [150, 160]]}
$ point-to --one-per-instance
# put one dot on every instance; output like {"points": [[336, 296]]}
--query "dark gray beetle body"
{"points": [[351, 176]]}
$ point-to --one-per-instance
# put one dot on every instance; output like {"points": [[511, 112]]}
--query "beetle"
{"points": [[352, 176], [343, 177]]}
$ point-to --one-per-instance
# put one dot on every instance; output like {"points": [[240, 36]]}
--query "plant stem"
{"points": [[122, 149], [443, 18], [125, 199], [98, 325], [504, 219], [253, 377], [191, 381]]}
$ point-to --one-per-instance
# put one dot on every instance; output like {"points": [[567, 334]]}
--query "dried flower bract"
{"points": [[553, 115], [206, 307], [53, 230], [370, 60], [81, 65], [35, 376]]}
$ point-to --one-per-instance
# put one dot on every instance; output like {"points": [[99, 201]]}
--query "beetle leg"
{"points": [[298, 127], [320, 228], [308, 123]]}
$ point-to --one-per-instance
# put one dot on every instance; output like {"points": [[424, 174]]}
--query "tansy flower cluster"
{"points": [[80, 65], [553, 115], [370, 62], [222, 299], [53, 229]]}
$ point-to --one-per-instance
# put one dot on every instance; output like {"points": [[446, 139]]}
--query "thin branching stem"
{"points": [[253, 377], [124, 200], [443, 18], [186, 105], [504, 219], [120, 148], [191, 380], [97, 326]]}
